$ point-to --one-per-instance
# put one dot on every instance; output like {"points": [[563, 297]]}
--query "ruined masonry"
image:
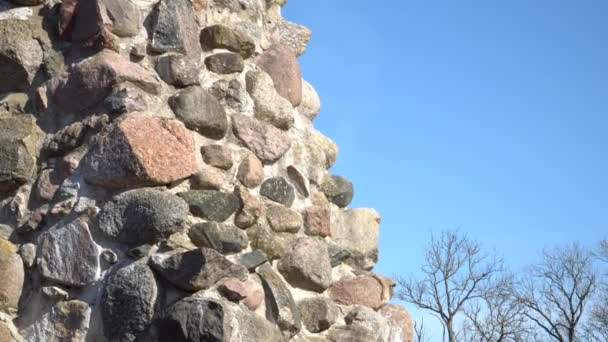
{"points": [[161, 180]]}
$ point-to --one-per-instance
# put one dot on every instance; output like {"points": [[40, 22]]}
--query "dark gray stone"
{"points": [[142, 216], [280, 304], [212, 205], [140, 251], [178, 70], [225, 239], [253, 259], [223, 37], [193, 320], [278, 190], [338, 190], [225, 63], [68, 255], [318, 313], [306, 265], [197, 269], [128, 300], [65, 321], [174, 28], [200, 111]]}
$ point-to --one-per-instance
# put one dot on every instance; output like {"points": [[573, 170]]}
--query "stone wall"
{"points": [[161, 180]]}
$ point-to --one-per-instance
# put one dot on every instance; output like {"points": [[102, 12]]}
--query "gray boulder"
{"points": [[318, 313], [278, 190], [200, 111], [210, 204], [225, 239], [142, 216], [20, 55], [280, 304], [128, 301], [306, 265], [197, 269], [356, 231], [19, 140]]}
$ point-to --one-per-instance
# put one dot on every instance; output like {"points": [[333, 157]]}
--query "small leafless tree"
{"points": [[556, 292], [497, 316], [420, 334], [596, 329], [455, 272]]}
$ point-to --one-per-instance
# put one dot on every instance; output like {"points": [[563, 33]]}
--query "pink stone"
{"points": [[251, 171], [142, 151], [267, 142], [400, 322], [317, 220], [283, 67], [233, 289], [367, 289]]}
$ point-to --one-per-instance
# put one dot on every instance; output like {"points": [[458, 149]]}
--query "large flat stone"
{"points": [[142, 216], [128, 301], [197, 269], [267, 142], [141, 151], [68, 255], [356, 231]]}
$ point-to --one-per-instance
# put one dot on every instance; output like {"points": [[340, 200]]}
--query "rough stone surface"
{"points": [[142, 151], [208, 178], [294, 36], [66, 321], [142, 216], [80, 21], [280, 302], [192, 320], [306, 265], [200, 111], [283, 67], [225, 239], [253, 259], [217, 155], [20, 55], [90, 81], [8, 332], [11, 283], [262, 237], [177, 70], [371, 320], [311, 103], [128, 301], [318, 313], [230, 93], [267, 142], [28, 254], [68, 255], [351, 333], [223, 37], [270, 107], [317, 221], [125, 100], [357, 231], [282, 219], [401, 326], [19, 139], [369, 290], [251, 171], [174, 28], [278, 190], [251, 210], [197, 269], [212, 205], [225, 63], [338, 190], [122, 17]]}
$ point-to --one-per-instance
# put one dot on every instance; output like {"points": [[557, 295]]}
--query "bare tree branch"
{"points": [[455, 272]]}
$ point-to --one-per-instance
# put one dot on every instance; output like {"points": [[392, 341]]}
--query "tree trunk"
{"points": [[451, 333]]}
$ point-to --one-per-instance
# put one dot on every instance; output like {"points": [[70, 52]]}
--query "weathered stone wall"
{"points": [[161, 180]]}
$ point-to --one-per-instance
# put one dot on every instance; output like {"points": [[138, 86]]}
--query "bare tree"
{"points": [[420, 331], [497, 316], [596, 329], [455, 272], [556, 292]]}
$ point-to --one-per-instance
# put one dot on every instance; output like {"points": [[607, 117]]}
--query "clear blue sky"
{"points": [[489, 116]]}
